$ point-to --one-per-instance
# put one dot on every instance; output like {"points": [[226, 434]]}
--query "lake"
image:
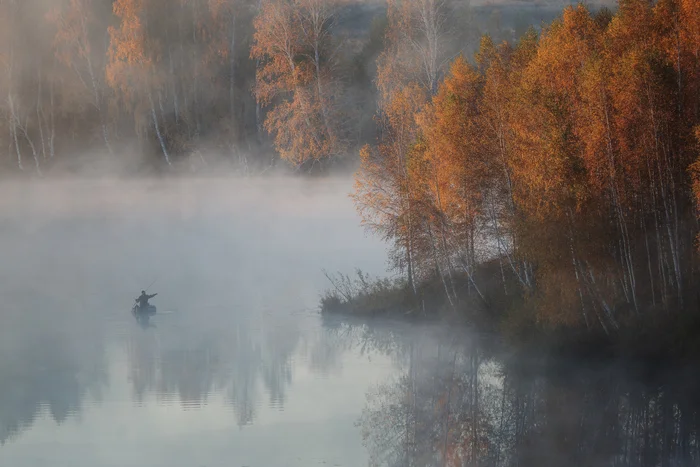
{"points": [[238, 368]]}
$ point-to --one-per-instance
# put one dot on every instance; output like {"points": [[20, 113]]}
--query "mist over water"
{"points": [[238, 269], [238, 368]]}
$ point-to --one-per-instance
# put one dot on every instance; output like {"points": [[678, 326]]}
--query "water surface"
{"points": [[239, 369]]}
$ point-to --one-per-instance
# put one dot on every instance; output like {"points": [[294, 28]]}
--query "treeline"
{"points": [[156, 83], [567, 161], [132, 82], [122, 79]]}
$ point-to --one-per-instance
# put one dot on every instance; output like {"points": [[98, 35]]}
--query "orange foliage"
{"points": [[572, 148], [384, 194], [129, 66], [71, 30], [457, 172], [289, 38], [548, 167]]}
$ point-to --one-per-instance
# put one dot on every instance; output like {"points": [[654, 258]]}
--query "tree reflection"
{"points": [[46, 368], [460, 405], [435, 414], [242, 358]]}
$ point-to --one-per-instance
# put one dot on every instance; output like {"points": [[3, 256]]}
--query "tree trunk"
{"points": [[232, 69], [176, 106], [40, 114], [52, 136], [31, 146], [13, 130], [157, 128]]}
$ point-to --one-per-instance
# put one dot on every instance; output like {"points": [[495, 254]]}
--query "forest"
{"points": [[163, 86], [560, 170]]}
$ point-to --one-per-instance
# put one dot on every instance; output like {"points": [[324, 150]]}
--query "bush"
{"points": [[365, 295]]}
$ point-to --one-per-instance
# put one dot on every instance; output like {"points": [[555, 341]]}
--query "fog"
{"points": [[237, 265], [237, 367], [212, 238]]}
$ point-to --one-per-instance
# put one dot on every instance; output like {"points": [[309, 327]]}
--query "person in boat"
{"points": [[143, 299]]}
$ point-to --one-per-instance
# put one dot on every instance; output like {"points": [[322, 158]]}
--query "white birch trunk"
{"points": [[13, 130], [154, 116]]}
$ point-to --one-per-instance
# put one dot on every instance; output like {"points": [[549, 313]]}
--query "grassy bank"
{"points": [[500, 307]]}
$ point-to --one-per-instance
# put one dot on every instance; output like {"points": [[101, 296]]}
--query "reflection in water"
{"points": [[456, 400], [43, 370], [223, 252], [457, 405], [81, 383], [188, 361]]}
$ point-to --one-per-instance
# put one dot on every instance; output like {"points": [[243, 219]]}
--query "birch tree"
{"points": [[131, 70], [79, 45], [292, 43], [384, 195], [417, 45]]}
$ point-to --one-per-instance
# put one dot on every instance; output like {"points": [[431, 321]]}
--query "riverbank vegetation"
{"points": [[563, 167]]}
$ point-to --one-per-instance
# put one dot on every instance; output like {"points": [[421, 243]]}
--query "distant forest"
{"points": [[129, 86]]}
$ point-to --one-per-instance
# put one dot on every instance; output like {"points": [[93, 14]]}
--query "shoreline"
{"points": [[646, 338]]}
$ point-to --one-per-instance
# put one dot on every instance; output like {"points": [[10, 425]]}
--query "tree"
{"points": [[19, 77], [131, 70], [417, 46], [408, 71], [384, 195], [502, 67], [456, 175], [224, 19], [79, 24], [293, 44]]}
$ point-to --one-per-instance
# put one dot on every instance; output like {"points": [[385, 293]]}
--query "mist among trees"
{"points": [[131, 86]]}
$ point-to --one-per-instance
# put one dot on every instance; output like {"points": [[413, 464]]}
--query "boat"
{"points": [[146, 311]]}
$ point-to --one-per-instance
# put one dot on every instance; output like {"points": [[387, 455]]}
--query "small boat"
{"points": [[146, 311]]}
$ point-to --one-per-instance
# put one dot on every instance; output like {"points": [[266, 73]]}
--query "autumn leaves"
{"points": [[565, 158], [296, 52]]}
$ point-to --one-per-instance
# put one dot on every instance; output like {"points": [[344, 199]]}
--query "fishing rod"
{"points": [[151, 285]]}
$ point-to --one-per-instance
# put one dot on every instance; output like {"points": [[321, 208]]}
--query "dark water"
{"points": [[458, 401], [238, 368]]}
